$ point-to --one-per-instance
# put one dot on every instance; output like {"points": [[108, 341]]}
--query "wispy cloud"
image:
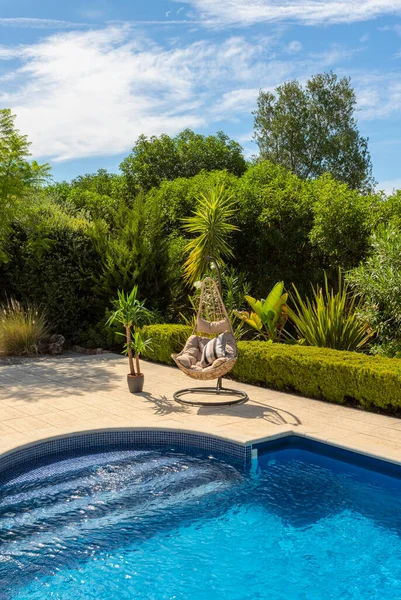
{"points": [[166, 22], [379, 95], [294, 47], [31, 23], [93, 92], [217, 13]]}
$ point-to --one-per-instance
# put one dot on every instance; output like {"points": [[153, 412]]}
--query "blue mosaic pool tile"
{"points": [[173, 440]]}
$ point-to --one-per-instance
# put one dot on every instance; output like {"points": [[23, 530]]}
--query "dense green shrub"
{"points": [[72, 245], [342, 222], [166, 340], [275, 217], [378, 281], [372, 381], [336, 376], [53, 265]]}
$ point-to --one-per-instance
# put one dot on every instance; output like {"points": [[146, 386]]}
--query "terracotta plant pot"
{"points": [[135, 383]]}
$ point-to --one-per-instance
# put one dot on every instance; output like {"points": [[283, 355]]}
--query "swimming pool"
{"points": [[155, 524]]}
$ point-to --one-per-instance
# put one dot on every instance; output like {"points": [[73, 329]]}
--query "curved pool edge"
{"points": [[54, 445], [239, 450]]}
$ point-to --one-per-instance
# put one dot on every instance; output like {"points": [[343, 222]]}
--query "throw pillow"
{"points": [[215, 348]]}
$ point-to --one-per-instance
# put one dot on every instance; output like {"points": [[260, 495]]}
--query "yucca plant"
{"points": [[331, 319], [21, 328], [131, 314], [268, 315], [138, 345], [211, 224]]}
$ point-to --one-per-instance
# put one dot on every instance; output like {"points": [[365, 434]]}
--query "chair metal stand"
{"points": [[237, 397]]}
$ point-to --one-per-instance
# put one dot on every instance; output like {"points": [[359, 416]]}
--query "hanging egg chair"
{"points": [[211, 355]]}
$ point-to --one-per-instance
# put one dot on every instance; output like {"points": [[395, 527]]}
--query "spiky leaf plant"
{"points": [[21, 328], [330, 319], [211, 223]]}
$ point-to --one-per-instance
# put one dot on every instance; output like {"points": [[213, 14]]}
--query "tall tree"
{"points": [[18, 175], [312, 130], [157, 159]]}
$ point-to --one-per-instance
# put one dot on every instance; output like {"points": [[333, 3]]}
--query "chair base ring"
{"points": [[236, 396]]}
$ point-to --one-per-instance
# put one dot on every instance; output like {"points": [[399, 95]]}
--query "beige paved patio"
{"points": [[40, 400]]}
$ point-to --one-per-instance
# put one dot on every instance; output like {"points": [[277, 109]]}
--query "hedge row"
{"points": [[315, 372], [166, 340]]}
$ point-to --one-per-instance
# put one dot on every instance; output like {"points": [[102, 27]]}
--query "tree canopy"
{"points": [[156, 159], [18, 175], [312, 130]]}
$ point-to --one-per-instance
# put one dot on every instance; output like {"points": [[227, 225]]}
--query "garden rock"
{"points": [[52, 344]]}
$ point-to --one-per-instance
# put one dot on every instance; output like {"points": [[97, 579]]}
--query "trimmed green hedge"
{"points": [[321, 373], [166, 340]]}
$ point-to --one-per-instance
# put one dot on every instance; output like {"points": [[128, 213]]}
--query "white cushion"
{"points": [[212, 327]]}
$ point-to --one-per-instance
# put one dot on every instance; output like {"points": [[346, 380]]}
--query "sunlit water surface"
{"points": [[155, 525]]}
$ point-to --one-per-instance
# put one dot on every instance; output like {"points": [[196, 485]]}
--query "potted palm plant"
{"points": [[132, 314]]}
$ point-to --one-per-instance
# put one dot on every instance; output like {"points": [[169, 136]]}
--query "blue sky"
{"points": [[85, 78]]}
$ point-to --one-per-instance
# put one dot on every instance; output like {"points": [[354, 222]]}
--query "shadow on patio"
{"points": [[163, 405], [254, 410], [36, 381]]}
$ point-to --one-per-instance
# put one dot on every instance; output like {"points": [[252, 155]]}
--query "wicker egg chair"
{"points": [[212, 319]]}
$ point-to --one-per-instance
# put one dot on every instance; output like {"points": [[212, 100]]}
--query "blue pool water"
{"points": [[161, 525]]}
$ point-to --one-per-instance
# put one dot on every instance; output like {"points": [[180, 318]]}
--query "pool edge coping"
{"points": [[246, 444]]}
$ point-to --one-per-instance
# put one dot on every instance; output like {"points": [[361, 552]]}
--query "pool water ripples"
{"points": [[161, 525]]}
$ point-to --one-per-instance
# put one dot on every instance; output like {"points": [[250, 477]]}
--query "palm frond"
{"points": [[211, 224]]}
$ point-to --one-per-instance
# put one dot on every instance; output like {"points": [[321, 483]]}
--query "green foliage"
{"points": [[388, 211], [342, 222], [21, 328], [312, 130], [371, 381], [275, 217], [139, 343], [131, 313], [211, 224], [52, 263], [378, 281], [322, 373], [164, 158], [18, 176], [331, 319], [269, 315], [133, 251], [166, 340], [235, 289], [94, 196], [71, 246]]}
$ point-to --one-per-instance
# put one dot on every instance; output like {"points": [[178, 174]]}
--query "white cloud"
{"points": [[396, 28], [311, 12], [379, 95], [91, 93], [39, 23], [294, 47]]}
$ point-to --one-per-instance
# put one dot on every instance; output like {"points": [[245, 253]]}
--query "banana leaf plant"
{"points": [[268, 316]]}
